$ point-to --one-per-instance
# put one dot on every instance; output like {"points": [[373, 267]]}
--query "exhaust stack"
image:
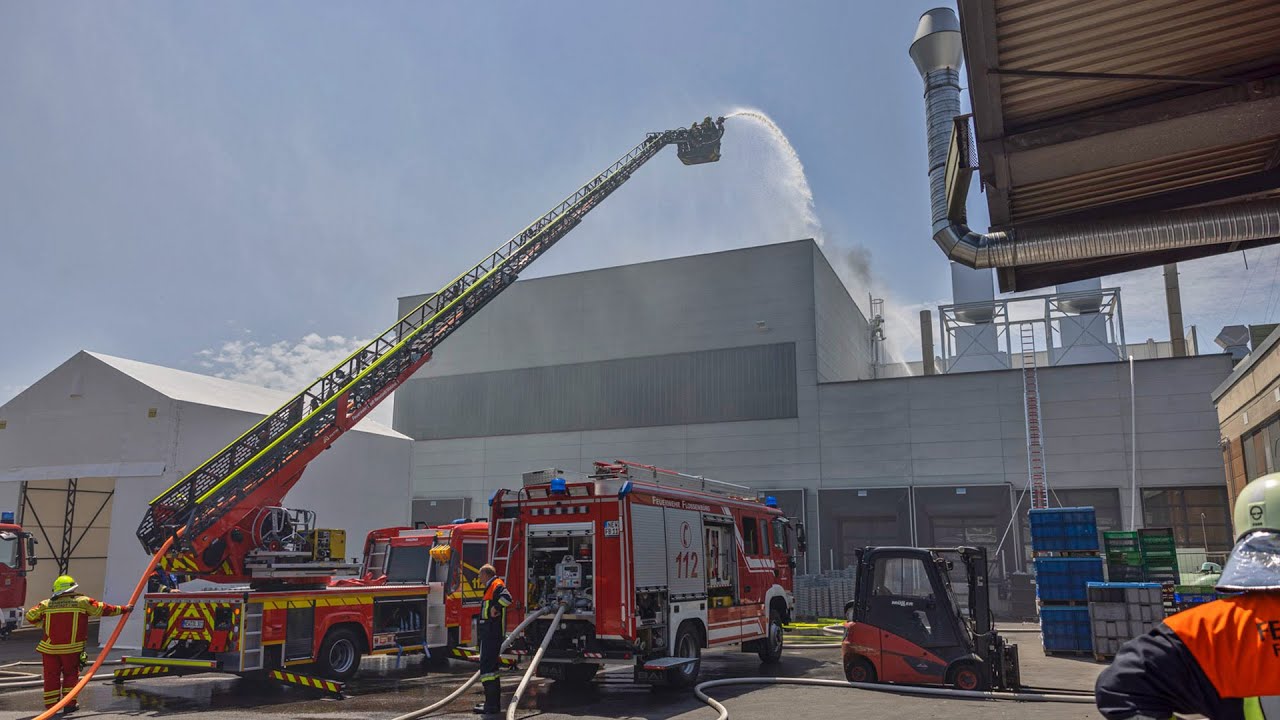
{"points": [[937, 53]]}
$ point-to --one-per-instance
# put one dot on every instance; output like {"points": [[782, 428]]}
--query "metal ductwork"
{"points": [[938, 54]]}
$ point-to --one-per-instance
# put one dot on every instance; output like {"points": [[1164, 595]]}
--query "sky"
{"points": [[245, 189]]}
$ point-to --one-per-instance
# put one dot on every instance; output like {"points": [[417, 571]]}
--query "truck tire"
{"points": [[771, 646], [688, 644], [339, 656]]}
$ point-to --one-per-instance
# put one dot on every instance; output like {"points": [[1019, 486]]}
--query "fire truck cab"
{"points": [[17, 557], [652, 565], [456, 551]]}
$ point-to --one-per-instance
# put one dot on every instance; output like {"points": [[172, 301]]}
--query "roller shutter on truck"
{"points": [[648, 546]]}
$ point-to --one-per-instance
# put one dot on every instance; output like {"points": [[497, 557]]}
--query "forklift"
{"points": [[905, 626]]}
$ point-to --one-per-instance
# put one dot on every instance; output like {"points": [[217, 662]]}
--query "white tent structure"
{"points": [[84, 449]]}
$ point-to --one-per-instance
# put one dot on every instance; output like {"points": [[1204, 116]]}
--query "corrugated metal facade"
{"points": [[725, 385], [1157, 37]]}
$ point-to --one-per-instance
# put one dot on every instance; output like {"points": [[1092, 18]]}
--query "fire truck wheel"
{"points": [[688, 644], [771, 649], [339, 656], [859, 669]]}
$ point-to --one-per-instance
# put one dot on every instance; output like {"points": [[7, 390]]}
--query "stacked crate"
{"points": [[1186, 597], [1146, 555], [1121, 611], [1064, 542], [824, 595]]}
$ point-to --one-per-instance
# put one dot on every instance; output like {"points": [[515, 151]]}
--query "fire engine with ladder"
{"points": [[651, 565], [292, 601]]}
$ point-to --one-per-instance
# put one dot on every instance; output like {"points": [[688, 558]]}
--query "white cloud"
{"points": [[284, 365]]}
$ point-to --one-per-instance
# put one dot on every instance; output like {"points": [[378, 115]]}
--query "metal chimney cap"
{"points": [[937, 42]]}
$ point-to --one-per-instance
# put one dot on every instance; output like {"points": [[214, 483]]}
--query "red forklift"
{"points": [[905, 626]]}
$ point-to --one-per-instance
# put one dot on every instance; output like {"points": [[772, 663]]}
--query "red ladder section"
{"points": [[1031, 404]]}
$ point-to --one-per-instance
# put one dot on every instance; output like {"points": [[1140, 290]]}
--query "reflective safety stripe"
{"points": [[489, 677], [1261, 708]]}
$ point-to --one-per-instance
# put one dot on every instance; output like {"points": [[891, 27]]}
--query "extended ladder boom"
{"points": [[216, 510]]}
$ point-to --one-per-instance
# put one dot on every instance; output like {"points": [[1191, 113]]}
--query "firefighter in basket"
{"points": [[491, 627], [64, 617]]}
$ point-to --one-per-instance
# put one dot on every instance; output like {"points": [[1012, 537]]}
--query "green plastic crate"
{"points": [[1131, 558], [1120, 540]]}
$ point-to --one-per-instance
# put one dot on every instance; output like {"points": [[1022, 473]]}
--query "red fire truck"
{"points": [[17, 557], [653, 565]]}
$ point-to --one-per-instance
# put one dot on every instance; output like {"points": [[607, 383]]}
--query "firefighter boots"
{"points": [[492, 704]]}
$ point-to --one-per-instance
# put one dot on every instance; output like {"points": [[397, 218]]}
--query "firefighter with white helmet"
{"points": [[1220, 659]]}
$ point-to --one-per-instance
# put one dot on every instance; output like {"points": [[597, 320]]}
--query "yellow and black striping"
{"points": [[131, 672], [307, 681]]}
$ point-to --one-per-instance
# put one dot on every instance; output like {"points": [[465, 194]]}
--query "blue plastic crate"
{"points": [[1065, 579], [1065, 629], [1064, 529]]}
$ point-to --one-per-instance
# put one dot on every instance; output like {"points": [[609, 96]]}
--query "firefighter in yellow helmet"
{"points": [[1220, 659], [64, 618]]}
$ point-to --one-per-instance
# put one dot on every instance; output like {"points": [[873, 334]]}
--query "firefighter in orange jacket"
{"points": [[1220, 659], [65, 620], [491, 626]]}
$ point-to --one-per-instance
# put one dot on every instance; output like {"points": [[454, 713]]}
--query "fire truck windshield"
{"points": [[408, 564], [9, 549]]}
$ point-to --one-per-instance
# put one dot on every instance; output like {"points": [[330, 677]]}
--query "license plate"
{"points": [[192, 624]]}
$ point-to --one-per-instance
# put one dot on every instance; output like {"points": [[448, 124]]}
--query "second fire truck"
{"points": [[653, 566]]}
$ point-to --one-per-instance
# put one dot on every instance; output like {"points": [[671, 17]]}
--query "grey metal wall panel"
{"points": [[649, 546], [711, 386]]}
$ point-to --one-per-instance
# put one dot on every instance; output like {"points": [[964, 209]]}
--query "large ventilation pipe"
{"points": [[937, 53]]}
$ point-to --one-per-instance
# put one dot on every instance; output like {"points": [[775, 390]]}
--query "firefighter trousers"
{"points": [[61, 673], [490, 642]]}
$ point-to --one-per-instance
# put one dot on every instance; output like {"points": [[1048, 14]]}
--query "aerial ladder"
{"points": [[225, 517]]}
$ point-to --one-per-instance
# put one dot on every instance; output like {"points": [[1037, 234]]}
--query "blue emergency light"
{"points": [[559, 486], [7, 517], [771, 501]]}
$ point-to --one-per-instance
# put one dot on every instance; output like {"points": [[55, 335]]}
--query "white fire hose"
{"points": [[517, 632], [700, 691], [533, 664]]}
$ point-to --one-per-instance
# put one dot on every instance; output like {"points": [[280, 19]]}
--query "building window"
{"points": [[1199, 516]]}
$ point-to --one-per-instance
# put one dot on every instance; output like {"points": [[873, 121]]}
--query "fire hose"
{"points": [[115, 635], [701, 688], [533, 664], [517, 632]]}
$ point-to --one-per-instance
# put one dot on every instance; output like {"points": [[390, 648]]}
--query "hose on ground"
{"points": [[37, 682], [701, 688], [533, 664], [115, 635], [837, 629], [517, 632]]}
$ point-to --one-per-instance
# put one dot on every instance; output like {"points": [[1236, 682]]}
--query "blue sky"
{"points": [[247, 188]]}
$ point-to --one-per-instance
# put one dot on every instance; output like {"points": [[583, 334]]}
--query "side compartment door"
{"points": [[686, 560], [648, 548]]}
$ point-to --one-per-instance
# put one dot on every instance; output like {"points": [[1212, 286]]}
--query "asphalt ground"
{"points": [[383, 691]]}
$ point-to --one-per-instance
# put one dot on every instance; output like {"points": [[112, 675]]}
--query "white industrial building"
{"points": [[754, 366], [85, 448]]}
